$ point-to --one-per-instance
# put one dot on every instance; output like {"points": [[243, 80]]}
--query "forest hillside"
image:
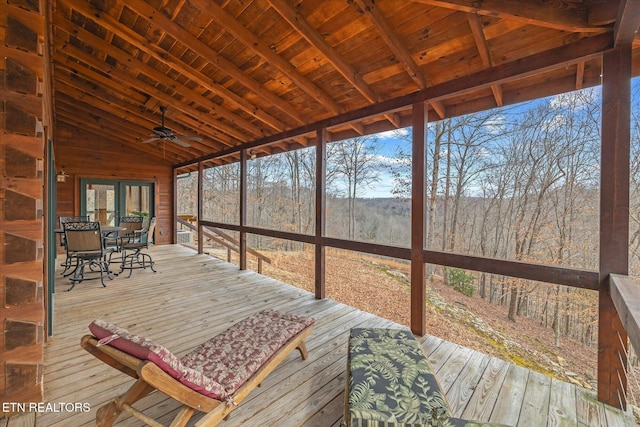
{"points": [[519, 183], [381, 286]]}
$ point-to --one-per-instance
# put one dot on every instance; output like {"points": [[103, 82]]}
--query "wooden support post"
{"points": [[614, 221], [243, 209], [418, 292], [174, 226], [321, 174], [200, 207]]}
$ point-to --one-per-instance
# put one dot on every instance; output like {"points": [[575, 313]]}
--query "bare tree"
{"points": [[354, 161]]}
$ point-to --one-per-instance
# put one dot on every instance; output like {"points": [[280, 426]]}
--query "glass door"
{"points": [[137, 198], [101, 202], [106, 201]]}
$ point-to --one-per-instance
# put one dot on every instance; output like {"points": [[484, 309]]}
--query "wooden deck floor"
{"points": [[192, 297]]}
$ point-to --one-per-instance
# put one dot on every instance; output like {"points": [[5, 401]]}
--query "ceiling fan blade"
{"points": [[191, 138], [180, 142], [146, 141]]}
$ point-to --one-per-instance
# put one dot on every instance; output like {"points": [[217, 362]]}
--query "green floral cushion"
{"points": [[391, 383]]}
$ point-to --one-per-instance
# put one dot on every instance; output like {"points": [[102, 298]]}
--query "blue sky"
{"points": [[388, 141]]}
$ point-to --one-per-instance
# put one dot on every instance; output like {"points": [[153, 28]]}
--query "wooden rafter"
{"points": [[230, 24], [167, 26], [80, 89], [109, 129], [626, 25], [439, 108], [140, 55], [119, 76], [393, 41], [136, 66], [342, 66], [161, 55], [300, 24], [96, 108], [484, 50], [579, 51], [565, 19], [579, 75]]}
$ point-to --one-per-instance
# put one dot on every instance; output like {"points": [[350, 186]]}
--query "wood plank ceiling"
{"points": [[235, 71]]}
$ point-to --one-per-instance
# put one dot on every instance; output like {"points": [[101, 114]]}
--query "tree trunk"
{"points": [[556, 318], [513, 301]]}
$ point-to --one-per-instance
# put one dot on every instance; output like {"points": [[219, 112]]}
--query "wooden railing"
{"points": [[223, 239], [625, 295]]}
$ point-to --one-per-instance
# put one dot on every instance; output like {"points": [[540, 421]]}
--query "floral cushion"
{"points": [[145, 349], [237, 353], [391, 383], [219, 366]]}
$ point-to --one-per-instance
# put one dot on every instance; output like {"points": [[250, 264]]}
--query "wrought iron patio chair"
{"points": [[131, 225], [63, 241], [132, 248], [86, 252]]}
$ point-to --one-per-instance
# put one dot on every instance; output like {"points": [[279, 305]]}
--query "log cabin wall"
{"points": [[82, 155], [22, 142]]}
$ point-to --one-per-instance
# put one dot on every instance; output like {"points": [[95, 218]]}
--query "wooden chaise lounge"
{"points": [[213, 378]]}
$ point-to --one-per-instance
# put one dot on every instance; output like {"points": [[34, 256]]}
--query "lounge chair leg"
{"points": [[183, 417], [107, 415], [303, 350]]}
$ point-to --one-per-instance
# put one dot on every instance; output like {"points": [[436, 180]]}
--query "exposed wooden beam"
{"points": [[139, 67], [67, 115], [581, 50], [123, 116], [565, 19], [439, 108], [484, 51], [580, 75], [167, 26], [628, 21], [480, 39], [497, 95], [75, 54], [300, 24], [393, 41], [139, 42], [100, 125], [603, 12], [111, 125], [230, 24]]}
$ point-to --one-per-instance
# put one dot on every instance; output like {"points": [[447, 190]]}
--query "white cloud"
{"points": [[577, 99], [393, 134], [495, 125]]}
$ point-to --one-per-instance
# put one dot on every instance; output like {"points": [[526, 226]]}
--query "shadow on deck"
{"points": [[192, 297]]}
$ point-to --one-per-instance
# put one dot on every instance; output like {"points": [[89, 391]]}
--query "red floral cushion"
{"points": [[218, 367], [233, 356], [145, 349]]}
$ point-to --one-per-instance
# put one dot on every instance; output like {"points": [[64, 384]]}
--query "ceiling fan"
{"points": [[163, 133]]}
